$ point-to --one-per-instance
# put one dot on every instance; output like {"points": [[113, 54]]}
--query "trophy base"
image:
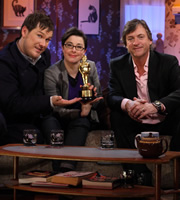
{"points": [[86, 99], [87, 95]]}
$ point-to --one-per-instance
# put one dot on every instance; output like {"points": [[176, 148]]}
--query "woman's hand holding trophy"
{"points": [[88, 92], [84, 68]]}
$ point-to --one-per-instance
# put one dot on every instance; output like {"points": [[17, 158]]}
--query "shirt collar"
{"points": [[31, 60], [146, 63]]}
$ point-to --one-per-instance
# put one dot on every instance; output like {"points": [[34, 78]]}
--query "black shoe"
{"points": [[144, 178], [64, 169], [55, 165], [63, 197]]}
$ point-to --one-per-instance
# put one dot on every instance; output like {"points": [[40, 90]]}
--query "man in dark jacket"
{"points": [[144, 90], [22, 66]]}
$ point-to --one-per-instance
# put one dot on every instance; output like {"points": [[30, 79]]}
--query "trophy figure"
{"points": [[84, 68]]}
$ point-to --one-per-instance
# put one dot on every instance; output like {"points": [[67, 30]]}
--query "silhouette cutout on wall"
{"points": [[18, 9], [92, 18]]}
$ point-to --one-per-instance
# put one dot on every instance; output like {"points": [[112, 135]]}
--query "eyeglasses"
{"points": [[70, 46]]}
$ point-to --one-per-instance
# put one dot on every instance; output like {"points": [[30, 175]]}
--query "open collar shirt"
{"points": [[143, 93]]}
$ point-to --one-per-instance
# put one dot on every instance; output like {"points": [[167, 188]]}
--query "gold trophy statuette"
{"points": [[84, 68]]}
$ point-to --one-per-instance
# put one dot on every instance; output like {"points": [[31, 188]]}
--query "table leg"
{"points": [[176, 177], [14, 194], [15, 173], [157, 181], [15, 167]]}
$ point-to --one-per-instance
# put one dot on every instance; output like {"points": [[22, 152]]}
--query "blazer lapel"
{"points": [[63, 80], [153, 74], [128, 80]]}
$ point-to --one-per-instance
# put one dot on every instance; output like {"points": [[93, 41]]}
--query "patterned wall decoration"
{"points": [[172, 30], [102, 47], [64, 13]]}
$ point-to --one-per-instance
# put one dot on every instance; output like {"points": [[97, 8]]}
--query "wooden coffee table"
{"points": [[94, 155]]}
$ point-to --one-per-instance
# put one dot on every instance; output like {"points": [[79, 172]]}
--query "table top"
{"points": [[83, 154]]}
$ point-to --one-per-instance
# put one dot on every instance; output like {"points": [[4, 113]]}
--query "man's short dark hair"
{"points": [[33, 19], [130, 26], [74, 31]]}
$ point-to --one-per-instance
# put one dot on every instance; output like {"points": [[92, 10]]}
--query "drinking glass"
{"points": [[57, 138], [30, 137], [107, 140]]}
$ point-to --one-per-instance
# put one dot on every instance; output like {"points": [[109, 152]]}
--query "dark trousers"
{"points": [[3, 127], [125, 130], [75, 133], [14, 131]]}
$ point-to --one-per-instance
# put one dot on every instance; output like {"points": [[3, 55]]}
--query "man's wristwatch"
{"points": [[157, 105]]}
